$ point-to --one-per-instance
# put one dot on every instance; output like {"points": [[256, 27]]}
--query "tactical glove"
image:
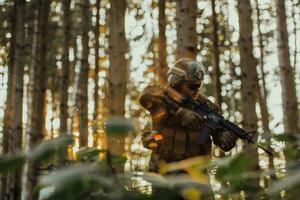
{"points": [[225, 140], [189, 119], [151, 140]]}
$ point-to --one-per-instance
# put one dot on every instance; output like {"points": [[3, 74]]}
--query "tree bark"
{"points": [[162, 69], [7, 122], [64, 84], [118, 71], [186, 14], [38, 92], [216, 57], [262, 91], [249, 82], [15, 138], [96, 75], [289, 98], [83, 77]]}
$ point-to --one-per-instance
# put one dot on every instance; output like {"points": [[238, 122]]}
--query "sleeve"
{"points": [[152, 99], [223, 139]]}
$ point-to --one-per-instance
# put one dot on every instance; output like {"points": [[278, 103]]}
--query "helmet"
{"points": [[185, 70]]}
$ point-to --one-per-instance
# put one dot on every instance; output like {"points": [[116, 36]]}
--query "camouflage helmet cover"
{"points": [[185, 69]]}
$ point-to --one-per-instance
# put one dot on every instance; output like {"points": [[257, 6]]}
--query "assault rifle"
{"points": [[212, 119]]}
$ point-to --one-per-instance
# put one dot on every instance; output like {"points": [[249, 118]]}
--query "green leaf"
{"points": [[118, 126], [119, 160], [88, 153], [237, 165], [292, 181], [11, 163], [67, 175], [290, 138], [47, 148]]}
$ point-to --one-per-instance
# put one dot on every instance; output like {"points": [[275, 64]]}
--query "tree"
{"points": [[15, 138], [216, 57], [186, 14], [261, 90], [289, 98], [118, 69], [162, 44], [38, 92], [7, 124], [64, 84], [249, 79], [96, 74], [83, 77]]}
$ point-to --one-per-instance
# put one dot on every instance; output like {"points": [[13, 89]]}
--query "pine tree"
{"points": [[118, 69], [64, 84], [216, 57], [162, 44], [83, 77], [249, 81], [186, 14], [38, 92], [15, 139], [289, 98]]}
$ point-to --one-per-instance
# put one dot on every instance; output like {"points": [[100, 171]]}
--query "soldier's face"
{"points": [[190, 88]]}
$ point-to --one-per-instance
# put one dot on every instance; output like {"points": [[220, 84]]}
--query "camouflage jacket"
{"points": [[178, 142]]}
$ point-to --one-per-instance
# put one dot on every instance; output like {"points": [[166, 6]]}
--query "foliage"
{"points": [[92, 178]]}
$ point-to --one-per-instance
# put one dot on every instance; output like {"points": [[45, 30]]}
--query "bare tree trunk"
{"points": [[295, 33], [38, 112], [83, 77], [7, 122], [262, 91], [96, 78], [64, 84], [15, 139], [186, 14], [249, 81], [118, 70], [216, 57], [162, 69], [289, 98]]}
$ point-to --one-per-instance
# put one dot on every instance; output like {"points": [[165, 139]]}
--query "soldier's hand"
{"points": [[227, 140], [189, 119]]}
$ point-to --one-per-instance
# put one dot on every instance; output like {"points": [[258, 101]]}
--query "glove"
{"points": [[151, 140], [225, 140], [189, 119]]}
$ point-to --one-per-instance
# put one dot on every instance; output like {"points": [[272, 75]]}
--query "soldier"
{"points": [[180, 127]]}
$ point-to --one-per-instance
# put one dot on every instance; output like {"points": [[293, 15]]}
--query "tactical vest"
{"points": [[178, 142]]}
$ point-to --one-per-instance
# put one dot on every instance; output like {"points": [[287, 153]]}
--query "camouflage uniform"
{"points": [[179, 140]]}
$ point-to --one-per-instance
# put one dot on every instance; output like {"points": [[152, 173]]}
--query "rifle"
{"points": [[212, 119]]}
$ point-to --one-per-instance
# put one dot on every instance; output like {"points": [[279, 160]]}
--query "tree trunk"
{"points": [[186, 14], [96, 75], [289, 98], [7, 122], [162, 69], [262, 91], [118, 70], [64, 84], [249, 81], [15, 138], [83, 77], [216, 57], [295, 33], [38, 92]]}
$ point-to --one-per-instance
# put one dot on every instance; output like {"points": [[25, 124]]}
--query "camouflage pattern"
{"points": [[185, 69], [179, 139]]}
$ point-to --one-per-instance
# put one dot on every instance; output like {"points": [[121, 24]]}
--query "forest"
{"points": [[72, 73]]}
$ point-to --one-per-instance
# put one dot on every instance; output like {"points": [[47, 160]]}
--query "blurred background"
{"points": [[77, 67]]}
